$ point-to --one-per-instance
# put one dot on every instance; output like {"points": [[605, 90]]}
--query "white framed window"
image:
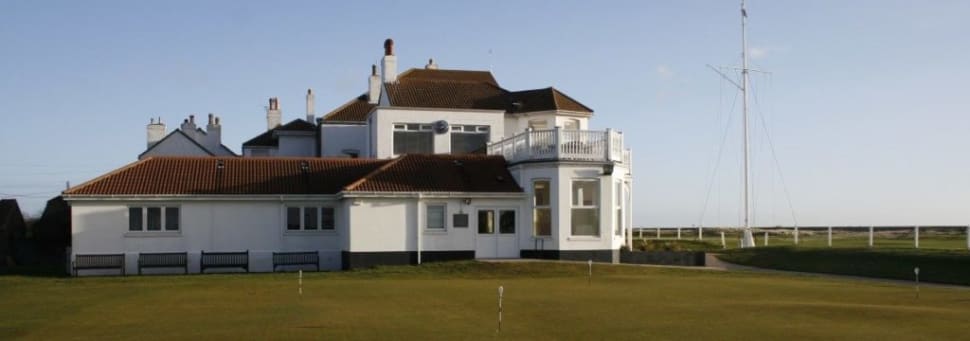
{"points": [[618, 203], [541, 209], [154, 219], [467, 139], [570, 124], [310, 218], [413, 138], [585, 207], [435, 217], [538, 123]]}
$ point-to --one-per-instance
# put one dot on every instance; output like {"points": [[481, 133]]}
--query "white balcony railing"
{"points": [[560, 144]]}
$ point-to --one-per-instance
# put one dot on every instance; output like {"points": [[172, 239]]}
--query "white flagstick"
{"points": [[301, 282], [500, 292], [589, 277], [916, 271]]}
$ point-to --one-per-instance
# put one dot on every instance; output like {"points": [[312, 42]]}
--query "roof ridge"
{"points": [[552, 91], [380, 169], [116, 171]]}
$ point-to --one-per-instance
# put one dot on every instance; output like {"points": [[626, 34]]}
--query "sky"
{"points": [[861, 115]]}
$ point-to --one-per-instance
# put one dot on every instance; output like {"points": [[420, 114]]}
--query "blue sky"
{"points": [[866, 104]]}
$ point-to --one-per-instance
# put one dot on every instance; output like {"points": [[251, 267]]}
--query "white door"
{"points": [[496, 236]]}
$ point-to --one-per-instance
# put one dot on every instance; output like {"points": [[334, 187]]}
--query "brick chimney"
{"points": [[213, 132], [156, 131], [188, 127], [273, 115], [389, 62]]}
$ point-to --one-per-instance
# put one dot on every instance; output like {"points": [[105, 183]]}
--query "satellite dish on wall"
{"points": [[440, 127]]}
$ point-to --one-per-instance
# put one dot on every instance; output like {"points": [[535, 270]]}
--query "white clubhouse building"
{"points": [[426, 165]]}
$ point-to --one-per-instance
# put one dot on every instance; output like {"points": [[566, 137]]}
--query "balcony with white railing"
{"points": [[566, 145]]}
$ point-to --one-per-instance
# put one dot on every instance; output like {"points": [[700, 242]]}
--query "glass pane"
{"points": [[413, 142], [292, 218], [171, 219], [154, 218], [486, 222], [467, 143], [329, 220], [542, 222], [506, 222], [134, 219], [540, 193], [310, 217], [585, 193], [436, 217], [585, 222]]}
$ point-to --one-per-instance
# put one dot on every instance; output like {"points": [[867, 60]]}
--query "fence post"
{"points": [[796, 234], [870, 236], [830, 236], [916, 236]]}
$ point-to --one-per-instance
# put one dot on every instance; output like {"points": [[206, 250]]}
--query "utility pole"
{"points": [[748, 239]]}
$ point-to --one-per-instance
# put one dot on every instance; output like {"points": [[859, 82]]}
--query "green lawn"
{"points": [[458, 301]]}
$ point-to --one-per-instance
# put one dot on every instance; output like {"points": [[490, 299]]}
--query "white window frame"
{"points": [[574, 204], [535, 207], [470, 129], [303, 230], [444, 217], [144, 231], [409, 127]]}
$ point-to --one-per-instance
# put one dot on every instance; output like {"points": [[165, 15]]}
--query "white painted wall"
{"points": [[297, 145], [384, 119], [176, 145], [335, 138], [257, 226]]}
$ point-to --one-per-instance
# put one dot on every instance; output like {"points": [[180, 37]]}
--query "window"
{"points": [[171, 219], [541, 212], [468, 139], [134, 219], [538, 123], [486, 222], [436, 217], [292, 218], [618, 204], [570, 124], [506, 222], [413, 139], [152, 219], [310, 218], [585, 209], [328, 220]]}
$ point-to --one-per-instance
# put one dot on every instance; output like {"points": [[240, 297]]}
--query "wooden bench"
{"points": [[224, 260], [99, 262], [163, 260], [296, 258]]}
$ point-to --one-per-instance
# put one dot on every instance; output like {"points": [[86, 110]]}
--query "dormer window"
{"points": [[413, 138]]}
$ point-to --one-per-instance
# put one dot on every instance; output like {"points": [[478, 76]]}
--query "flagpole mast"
{"points": [[748, 238]]}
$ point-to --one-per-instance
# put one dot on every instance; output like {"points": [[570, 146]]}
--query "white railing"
{"points": [[560, 144]]}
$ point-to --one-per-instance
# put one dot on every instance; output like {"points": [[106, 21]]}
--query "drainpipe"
{"points": [[417, 227]]}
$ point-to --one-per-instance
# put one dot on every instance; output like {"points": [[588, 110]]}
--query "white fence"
{"points": [[942, 236], [560, 144]]}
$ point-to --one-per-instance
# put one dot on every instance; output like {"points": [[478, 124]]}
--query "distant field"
{"points": [[458, 301]]}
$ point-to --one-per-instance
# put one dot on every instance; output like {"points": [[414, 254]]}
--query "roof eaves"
{"points": [[74, 189]]}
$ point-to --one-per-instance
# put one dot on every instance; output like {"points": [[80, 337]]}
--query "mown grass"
{"points": [[940, 266], [543, 300]]}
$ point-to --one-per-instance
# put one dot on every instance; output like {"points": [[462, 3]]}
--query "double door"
{"points": [[497, 237]]}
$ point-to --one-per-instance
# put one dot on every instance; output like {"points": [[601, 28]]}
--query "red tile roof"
{"points": [[354, 111], [255, 176]]}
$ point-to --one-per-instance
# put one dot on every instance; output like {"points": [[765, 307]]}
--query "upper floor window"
{"points": [[412, 138], [467, 139], [570, 124], [153, 218], [538, 123]]}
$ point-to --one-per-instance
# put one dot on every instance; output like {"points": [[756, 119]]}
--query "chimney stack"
{"points": [[389, 62], [273, 115], [374, 86], [213, 132], [431, 65], [156, 131], [309, 106], [189, 129]]}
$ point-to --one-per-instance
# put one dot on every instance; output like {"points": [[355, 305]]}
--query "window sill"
{"points": [[310, 233], [153, 234], [584, 238], [435, 232]]}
